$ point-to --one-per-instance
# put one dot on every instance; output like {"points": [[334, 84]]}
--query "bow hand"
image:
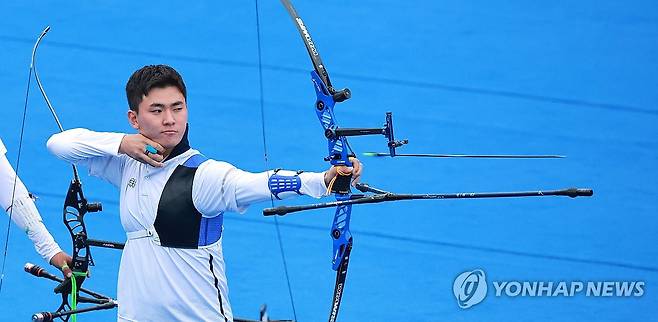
{"points": [[339, 178], [62, 261]]}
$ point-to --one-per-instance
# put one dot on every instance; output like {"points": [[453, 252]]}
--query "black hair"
{"points": [[148, 77]]}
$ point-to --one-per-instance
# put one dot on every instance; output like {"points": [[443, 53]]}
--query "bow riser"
{"points": [[338, 156], [75, 208]]}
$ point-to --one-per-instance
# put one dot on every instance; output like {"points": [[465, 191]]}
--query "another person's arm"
{"points": [[25, 215]]}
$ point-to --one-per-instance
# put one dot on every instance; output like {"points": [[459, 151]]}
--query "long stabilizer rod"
{"points": [[475, 156], [388, 196]]}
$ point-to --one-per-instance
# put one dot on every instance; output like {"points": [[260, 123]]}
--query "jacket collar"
{"points": [[181, 147]]}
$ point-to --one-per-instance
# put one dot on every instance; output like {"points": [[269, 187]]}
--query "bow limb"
{"points": [[18, 158]]}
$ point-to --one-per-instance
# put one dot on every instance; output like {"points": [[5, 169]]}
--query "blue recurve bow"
{"points": [[340, 153]]}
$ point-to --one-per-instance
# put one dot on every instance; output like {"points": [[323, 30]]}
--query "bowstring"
{"points": [[266, 158], [18, 161]]}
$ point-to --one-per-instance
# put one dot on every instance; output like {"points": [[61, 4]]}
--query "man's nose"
{"points": [[168, 117]]}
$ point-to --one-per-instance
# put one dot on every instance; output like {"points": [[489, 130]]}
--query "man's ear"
{"points": [[132, 119]]}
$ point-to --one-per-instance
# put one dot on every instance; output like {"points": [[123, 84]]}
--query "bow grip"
{"points": [[342, 183]]}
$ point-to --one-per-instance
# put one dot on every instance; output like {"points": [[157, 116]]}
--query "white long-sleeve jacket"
{"points": [[24, 212], [158, 283]]}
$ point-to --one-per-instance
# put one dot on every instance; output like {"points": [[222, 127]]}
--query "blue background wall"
{"points": [[576, 78]]}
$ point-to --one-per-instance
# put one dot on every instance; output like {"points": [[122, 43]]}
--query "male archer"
{"points": [[172, 201]]}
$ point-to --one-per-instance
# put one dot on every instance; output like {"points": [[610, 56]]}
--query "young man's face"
{"points": [[162, 116]]}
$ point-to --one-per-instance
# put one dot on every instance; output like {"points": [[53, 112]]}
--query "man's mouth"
{"points": [[169, 132]]}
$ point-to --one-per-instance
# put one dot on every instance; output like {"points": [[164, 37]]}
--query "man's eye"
{"points": [[156, 111]]}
